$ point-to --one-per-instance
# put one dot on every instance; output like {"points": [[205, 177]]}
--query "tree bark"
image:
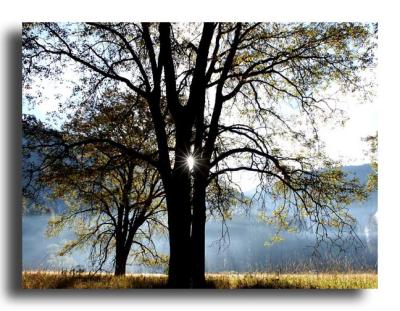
{"points": [[198, 230], [179, 223], [121, 258]]}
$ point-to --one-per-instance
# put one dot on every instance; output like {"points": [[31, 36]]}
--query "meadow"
{"points": [[85, 280]]}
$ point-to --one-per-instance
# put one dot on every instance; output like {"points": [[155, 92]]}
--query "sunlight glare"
{"points": [[190, 162]]}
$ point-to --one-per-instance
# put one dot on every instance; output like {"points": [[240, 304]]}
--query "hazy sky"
{"points": [[345, 143], [342, 143]]}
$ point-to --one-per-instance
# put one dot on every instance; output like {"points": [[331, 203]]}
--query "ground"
{"points": [[58, 280]]}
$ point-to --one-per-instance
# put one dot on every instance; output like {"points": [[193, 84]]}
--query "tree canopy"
{"points": [[114, 203]]}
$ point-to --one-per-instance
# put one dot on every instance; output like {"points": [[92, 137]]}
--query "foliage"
{"points": [[372, 184], [111, 199]]}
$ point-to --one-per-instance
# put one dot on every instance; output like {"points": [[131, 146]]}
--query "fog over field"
{"points": [[242, 250]]}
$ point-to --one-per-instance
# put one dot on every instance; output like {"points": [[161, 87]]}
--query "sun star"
{"points": [[190, 162]]}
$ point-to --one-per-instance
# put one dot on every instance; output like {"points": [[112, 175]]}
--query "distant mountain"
{"points": [[363, 211], [57, 206]]}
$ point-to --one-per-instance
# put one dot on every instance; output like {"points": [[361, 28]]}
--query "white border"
{"points": [[385, 12]]}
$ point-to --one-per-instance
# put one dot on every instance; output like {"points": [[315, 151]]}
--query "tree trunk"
{"points": [[198, 238], [121, 258], [198, 226], [179, 214]]}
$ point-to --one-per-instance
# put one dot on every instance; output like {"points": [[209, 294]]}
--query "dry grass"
{"points": [[304, 281], [56, 280]]}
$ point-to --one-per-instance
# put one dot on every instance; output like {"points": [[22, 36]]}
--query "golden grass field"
{"points": [[58, 280]]}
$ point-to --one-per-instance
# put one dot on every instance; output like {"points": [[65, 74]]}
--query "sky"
{"points": [[342, 142], [345, 143]]}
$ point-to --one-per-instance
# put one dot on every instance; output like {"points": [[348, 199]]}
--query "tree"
{"points": [[372, 140], [115, 203], [237, 97]]}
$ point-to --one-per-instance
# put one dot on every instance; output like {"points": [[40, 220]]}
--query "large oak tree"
{"points": [[232, 96]]}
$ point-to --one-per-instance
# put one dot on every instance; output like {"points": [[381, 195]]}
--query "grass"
{"points": [[300, 281], [58, 280]]}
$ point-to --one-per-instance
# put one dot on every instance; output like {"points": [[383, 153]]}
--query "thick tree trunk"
{"points": [[179, 222], [180, 194], [198, 235], [198, 225], [121, 258]]}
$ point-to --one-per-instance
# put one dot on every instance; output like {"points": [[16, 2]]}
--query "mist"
{"points": [[240, 246]]}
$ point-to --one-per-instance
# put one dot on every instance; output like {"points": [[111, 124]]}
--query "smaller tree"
{"points": [[112, 208], [114, 202]]}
